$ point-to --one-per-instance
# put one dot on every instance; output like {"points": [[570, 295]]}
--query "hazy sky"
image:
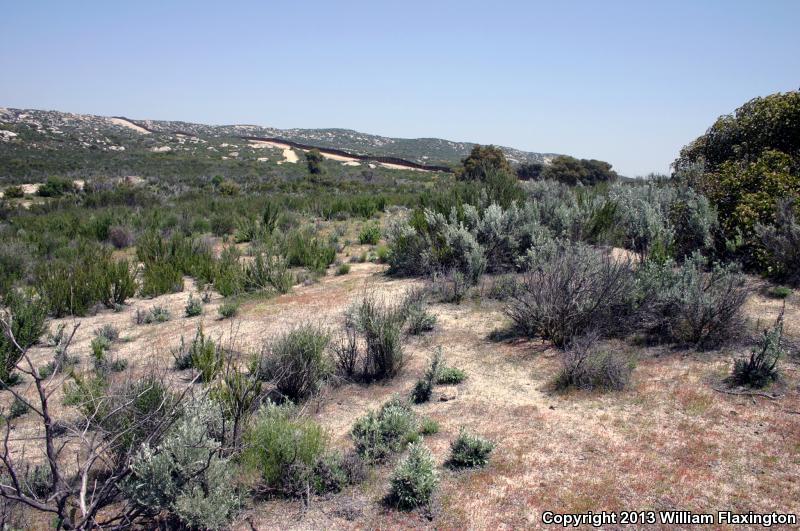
{"points": [[627, 82]]}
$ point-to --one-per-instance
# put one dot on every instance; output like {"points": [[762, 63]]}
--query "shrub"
{"points": [[194, 307], [229, 188], [424, 386], [156, 314], [343, 269], [14, 192], [414, 311], [18, 408], [55, 187], [761, 367], [379, 434], [118, 284], [108, 331], [414, 480], [268, 272], [370, 234], [203, 354], [586, 366], [161, 277], [451, 376], [314, 161], [782, 242], [27, 313], [468, 450], [303, 250], [296, 362], [185, 475], [428, 426], [576, 291], [381, 327], [690, 305], [120, 237], [779, 292], [228, 309], [282, 446]]}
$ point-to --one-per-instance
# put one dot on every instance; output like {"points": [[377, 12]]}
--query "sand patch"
{"points": [[130, 125]]}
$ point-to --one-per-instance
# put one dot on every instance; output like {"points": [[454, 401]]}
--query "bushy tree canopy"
{"points": [[482, 160], [572, 171]]}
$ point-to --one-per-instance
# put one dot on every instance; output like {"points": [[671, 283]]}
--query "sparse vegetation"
{"points": [[469, 450], [586, 365], [380, 434]]}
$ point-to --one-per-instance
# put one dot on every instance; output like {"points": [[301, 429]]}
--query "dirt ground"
{"points": [[671, 441]]}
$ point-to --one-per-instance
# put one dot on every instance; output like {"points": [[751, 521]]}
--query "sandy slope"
{"points": [[129, 125]]}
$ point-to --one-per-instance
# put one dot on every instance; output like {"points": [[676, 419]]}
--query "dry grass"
{"points": [[668, 442]]}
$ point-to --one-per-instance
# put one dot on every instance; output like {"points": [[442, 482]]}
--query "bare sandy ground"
{"points": [[289, 154], [129, 125]]}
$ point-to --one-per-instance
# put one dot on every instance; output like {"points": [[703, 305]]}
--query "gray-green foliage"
{"points": [[26, 313], [414, 480], [761, 367], [296, 362], [379, 434], [469, 450], [693, 303], [282, 446], [184, 475], [782, 242]]}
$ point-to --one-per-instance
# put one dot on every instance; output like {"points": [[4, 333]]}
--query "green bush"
{"points": [[780, 292], [156, 314], [451, 376], [194, 307], [781, 242], [424, 386], [303, 250], [343, 269], [414, 480], [55, 187], [14, 192], [202, 354], [228, 309], [281, 445], [380, 326], [296, 362], [370, 234], [28, 313], [17, 409], [119, 283], [690, 305], [159, 278], [468, 450], [379, 434], [414, 309], [428, 426], [185, 476], [761, 367]]}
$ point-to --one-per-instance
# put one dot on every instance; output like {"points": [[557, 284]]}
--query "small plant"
{"points": [[414, 311], [370, 234], [18, 408], [414, 480], [586, 366], [468, 450], [157, 314], [108, 331], [14, 192], [428, 426], [379, 434], [296, 362], [228, 309], [380, 326], [780, 292], [451, 376], [761, 367], [194, 307], [424, 386], [343, 269]]}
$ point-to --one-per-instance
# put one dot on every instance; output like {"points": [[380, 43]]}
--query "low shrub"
{"points": [[692, 305], [415, 313], [343, 269], [27, 313], [380, 325], [108, 331], [283, 447], [370, 234], [14, 192], [451, 376], [185, 476], [120, 237], [296, 362], [202, 354], [414, 480], [159, 278], [782, 242], [379, 434], [17, 409], [428, 426], [468, 450], [586, 366], [194, 307], [576, 291], [779, 292], [761, 367], [228, 309], [424, 386], [156, 314], [303, 250], [55, 187]]}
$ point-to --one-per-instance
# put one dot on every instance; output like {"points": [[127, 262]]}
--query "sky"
{"points": [[626, 82]]}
